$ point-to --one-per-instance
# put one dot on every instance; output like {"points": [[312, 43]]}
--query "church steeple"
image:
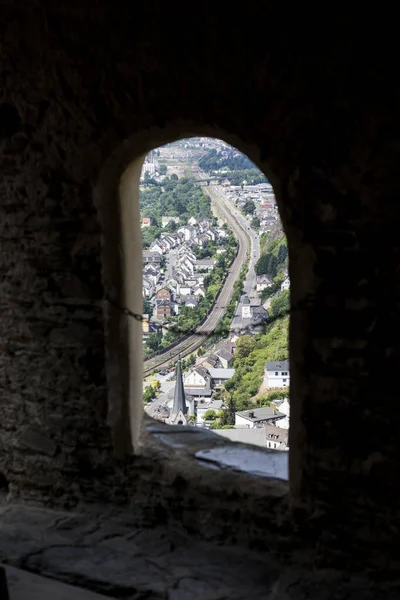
{"points": [[179, 405]]}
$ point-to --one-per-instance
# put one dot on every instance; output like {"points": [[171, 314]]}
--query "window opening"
{"points": [[215, 292]]}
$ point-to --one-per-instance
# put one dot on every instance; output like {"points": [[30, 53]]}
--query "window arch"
{"points": [[117, 201]]}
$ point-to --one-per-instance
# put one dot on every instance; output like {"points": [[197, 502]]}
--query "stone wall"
{"points": [[319, 113]]}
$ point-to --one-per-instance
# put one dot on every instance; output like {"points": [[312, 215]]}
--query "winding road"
{"points": [[227, 212]]}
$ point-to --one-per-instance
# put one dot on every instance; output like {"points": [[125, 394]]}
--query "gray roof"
{"points": [[221, 373], [213, 405], [223, 353], [206, 261], [261, 414], [245, 299], [202, 371], [282, 365], [199, 392], [179, 395], [225, 345]]}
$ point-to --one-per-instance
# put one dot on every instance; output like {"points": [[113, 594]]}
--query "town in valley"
{"points": [[215, 294]]}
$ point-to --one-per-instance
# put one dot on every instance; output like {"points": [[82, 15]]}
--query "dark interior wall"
{"points": [[321, 108]]}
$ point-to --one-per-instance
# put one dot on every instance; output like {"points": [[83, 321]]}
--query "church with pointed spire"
{"points": [[179, 414]]}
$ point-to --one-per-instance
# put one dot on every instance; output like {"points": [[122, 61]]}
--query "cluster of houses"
{"points": [[172, 275], [250, 317], [264, 199], [194, 396]]}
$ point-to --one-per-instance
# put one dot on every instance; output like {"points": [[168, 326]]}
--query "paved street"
{"points": [[249, 286], [167, 391]]}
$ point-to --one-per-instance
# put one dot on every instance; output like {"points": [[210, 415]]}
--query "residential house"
{"points": [[152, 256], [173, 284], [202, 240], [225, 358], [205, 264], [163, 309], [199, 277], [199, 292], [185, 290], [277, 438], [146, 222], [227, 345], [199, 377], [276, 374], [187, 231], [246, 307], [256, 417], [190, 301], [204, 223], [209, 362], [250, 316], [164, 293], [192, 221], [285, 284], [284, 407], [166, 243], [262, 282], [152, 273], [203, 407], [147, 288], [220, 376], [211, 234], [148, 328], [157, 246]]}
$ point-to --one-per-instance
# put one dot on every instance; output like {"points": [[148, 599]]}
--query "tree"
{"points": [[244, 345], [210, 415], [249, 207], [261, 265], [255, 223], [154, 341], [162, 170], [147, 307], [171, 227], [149, 393], [280, 305], [282, 253]]}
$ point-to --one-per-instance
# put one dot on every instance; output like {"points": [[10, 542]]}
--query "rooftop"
{"points": [[198, 391], [221, 373], [277, 365], [260, 414]]}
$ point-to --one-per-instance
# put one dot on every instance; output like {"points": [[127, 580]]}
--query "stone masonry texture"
{"points": [[317, 107]]}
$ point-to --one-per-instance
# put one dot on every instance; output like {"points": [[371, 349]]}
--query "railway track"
{"points": [[193, 342]]}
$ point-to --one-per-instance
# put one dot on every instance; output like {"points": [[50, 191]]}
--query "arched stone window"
{"points": [[117, 199]]}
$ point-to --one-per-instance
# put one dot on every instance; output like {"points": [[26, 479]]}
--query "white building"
{"points": [[220, 376], [284, 408], [246, 308], [198, 378], [276, 437], [262, 282], [285, 284], [276, 374]]}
